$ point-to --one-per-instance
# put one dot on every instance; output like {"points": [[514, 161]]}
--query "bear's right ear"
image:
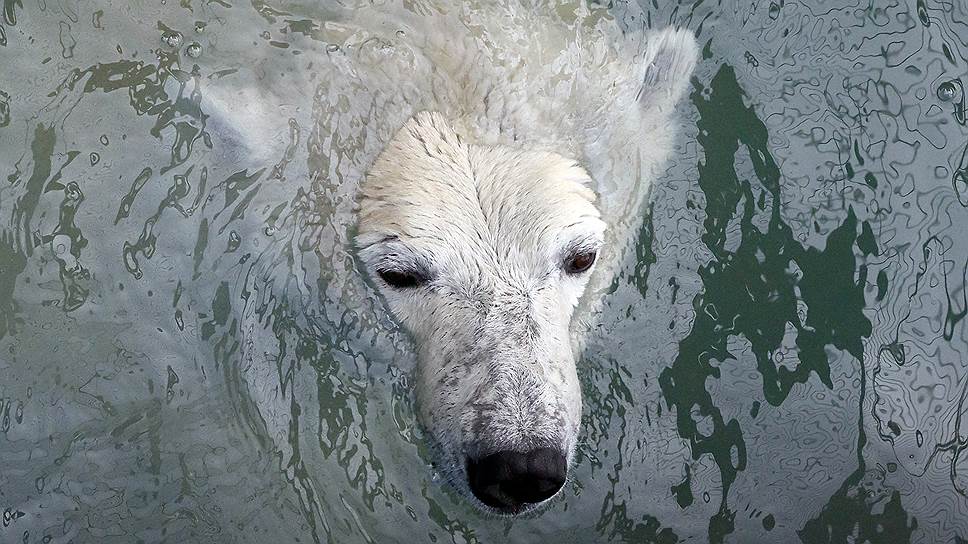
{"points": [[670, 56]]}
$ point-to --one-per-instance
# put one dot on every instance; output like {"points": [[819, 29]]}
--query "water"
{"points": [[187, 355]]}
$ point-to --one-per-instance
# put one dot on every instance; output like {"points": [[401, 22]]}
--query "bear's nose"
{"points": [[508, 480]]}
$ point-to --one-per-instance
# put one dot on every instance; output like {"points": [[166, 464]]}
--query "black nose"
{"points": [[508, 480]]}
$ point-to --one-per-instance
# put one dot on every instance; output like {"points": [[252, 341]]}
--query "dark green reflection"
{"points": [[644, 254], [147, 94], [12, 264], [849, 517], [759, 288]]}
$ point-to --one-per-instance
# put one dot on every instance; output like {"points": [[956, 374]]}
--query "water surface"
{"points": [[187, 355]]}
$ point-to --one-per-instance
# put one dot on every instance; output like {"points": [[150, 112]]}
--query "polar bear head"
{"points": [[482, 252]]}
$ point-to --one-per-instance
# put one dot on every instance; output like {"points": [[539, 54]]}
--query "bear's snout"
{"points": [[511, 481]]}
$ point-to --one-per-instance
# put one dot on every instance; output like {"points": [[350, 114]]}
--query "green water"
{"points": [[187, 355]]}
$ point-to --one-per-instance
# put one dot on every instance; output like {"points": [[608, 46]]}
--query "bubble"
{"points": [[960, 182], [194, 50], [947, 91], [234, 242], [172, 38], [774, 11]]}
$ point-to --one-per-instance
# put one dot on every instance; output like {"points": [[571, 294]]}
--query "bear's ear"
{"points": [[669, 57]]}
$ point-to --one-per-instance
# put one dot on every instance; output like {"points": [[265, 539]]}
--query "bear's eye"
{"points": [[401, 279], [580, 262]]}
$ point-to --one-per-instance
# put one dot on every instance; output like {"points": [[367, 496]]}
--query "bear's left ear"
{"points": [[670, 56]]}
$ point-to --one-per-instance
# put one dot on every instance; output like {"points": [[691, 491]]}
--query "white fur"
{"points": [[492, 224], [489, 192]]}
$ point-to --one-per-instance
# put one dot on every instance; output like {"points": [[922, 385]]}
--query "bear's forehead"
{"points": [[497, 200], [432, 190]]}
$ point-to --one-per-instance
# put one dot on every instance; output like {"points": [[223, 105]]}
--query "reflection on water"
{"points": [[187, 353]]}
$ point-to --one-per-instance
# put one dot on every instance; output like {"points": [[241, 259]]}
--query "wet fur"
{"points": [[485, 195]]}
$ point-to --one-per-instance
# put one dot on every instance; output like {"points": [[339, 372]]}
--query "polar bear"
{"points": [[493, 220], [497, 156]]}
